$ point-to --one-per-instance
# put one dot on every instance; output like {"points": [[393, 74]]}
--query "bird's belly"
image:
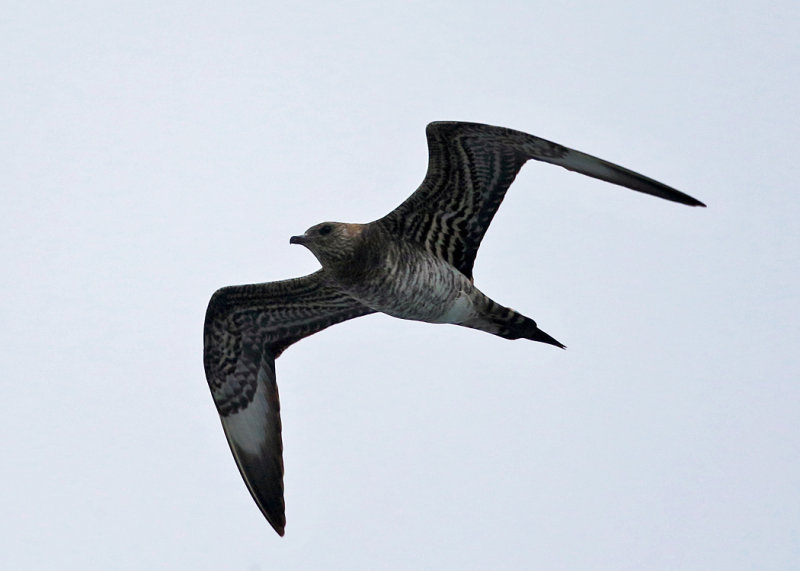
{"points": [[433, 292], [458, 311]]}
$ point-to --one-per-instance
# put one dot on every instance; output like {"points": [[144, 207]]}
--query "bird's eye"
{"points": [[325, 229]]}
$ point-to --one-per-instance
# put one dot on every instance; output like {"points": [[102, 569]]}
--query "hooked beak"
{"points": [[297, 240]]}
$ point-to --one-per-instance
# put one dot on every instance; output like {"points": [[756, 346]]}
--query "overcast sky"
{"points": [[151, 155]]}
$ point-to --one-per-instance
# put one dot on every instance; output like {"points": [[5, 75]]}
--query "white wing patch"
{"points": [[248, 428], [585, 164]]}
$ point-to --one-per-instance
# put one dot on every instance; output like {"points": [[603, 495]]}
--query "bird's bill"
{"points": [[297, 240]]}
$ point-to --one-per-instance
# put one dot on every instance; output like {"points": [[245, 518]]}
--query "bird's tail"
{"points": [[517, 326], [509, 324]]}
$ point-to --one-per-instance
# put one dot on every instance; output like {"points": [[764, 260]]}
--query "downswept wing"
{"points": [[470, 167], [247, 327]]}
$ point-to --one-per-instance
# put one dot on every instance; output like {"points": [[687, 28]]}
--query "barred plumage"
{"points": [[414, 263]]}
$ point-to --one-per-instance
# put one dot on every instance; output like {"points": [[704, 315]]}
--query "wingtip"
{"points": [[278, 522], [690, 200], [276, 519]]}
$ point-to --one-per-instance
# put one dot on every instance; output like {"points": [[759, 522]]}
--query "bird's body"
{"points": [[398, 278], [414, 263], [410, 283]]}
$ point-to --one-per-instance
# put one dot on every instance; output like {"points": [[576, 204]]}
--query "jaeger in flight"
{"points": [[414, 263]]}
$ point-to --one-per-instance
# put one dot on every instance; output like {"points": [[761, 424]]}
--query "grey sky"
{"points": [[150, 156]]}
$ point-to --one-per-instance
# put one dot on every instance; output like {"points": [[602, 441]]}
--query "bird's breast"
{"points": [[413, 284]]}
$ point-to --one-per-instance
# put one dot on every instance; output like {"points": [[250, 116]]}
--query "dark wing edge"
{"points": [[470, 168], [254, 437], [246, 329], [582, 163]]}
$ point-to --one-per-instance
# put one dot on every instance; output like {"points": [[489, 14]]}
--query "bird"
{"points": [[413, 263]]}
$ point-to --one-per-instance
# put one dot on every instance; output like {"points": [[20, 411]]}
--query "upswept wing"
{"points": [[470, 167], [246, 329]]}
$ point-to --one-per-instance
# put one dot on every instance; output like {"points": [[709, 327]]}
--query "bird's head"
{"points": [[333, 243]]}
